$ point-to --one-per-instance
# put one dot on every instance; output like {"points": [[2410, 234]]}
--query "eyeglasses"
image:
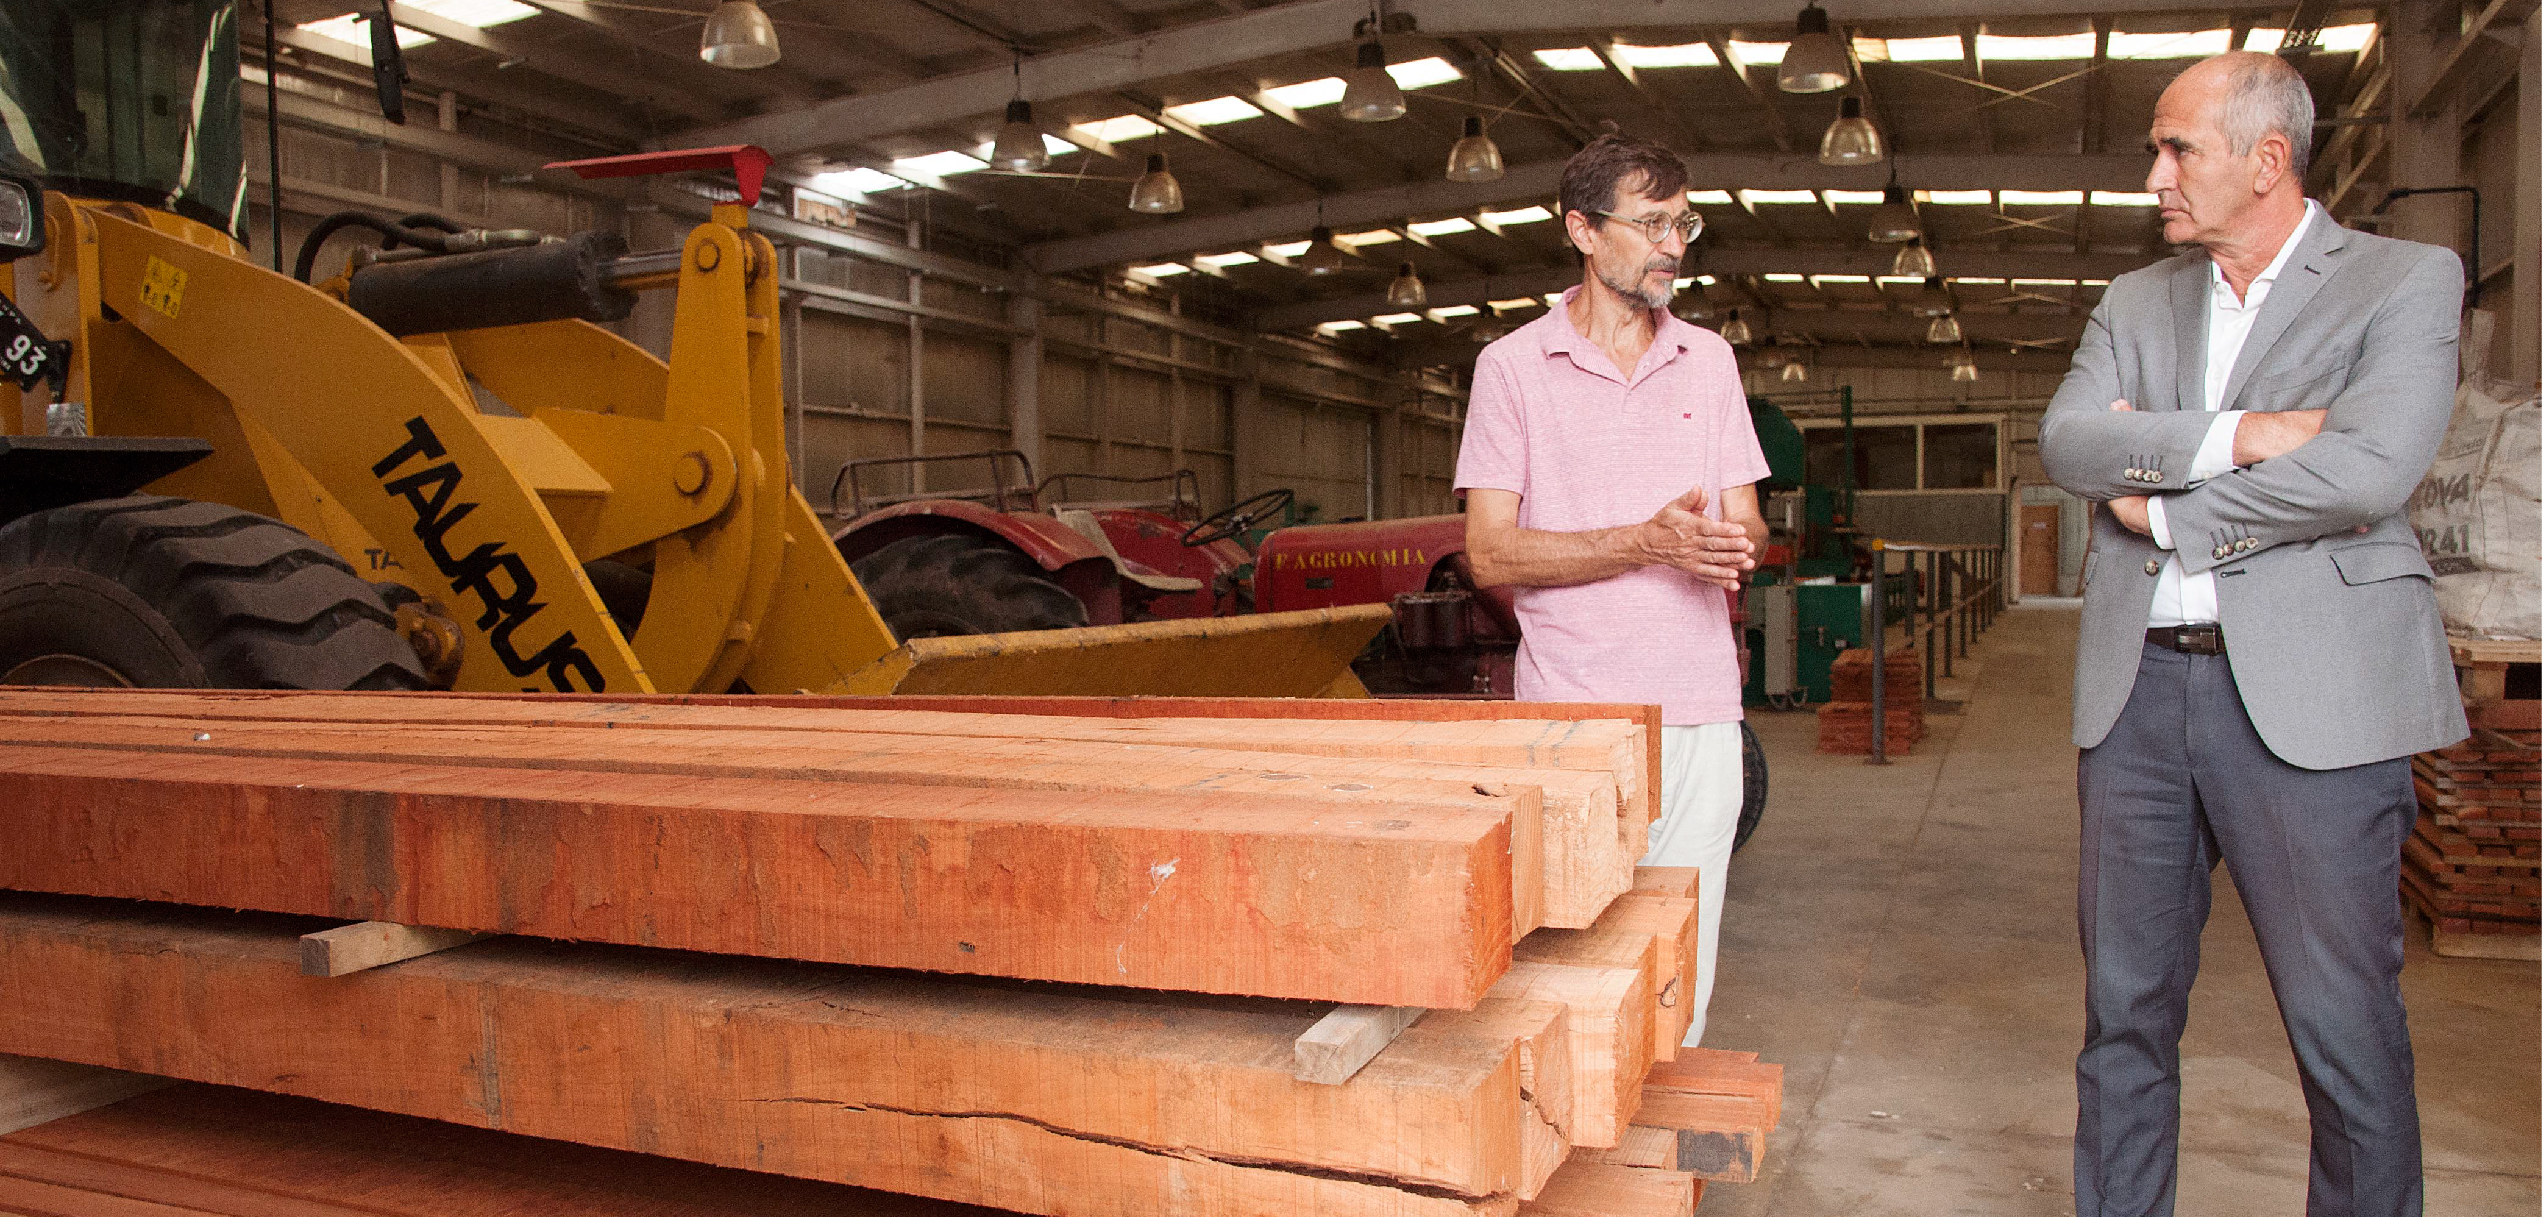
{"points": [[1657, 224]]}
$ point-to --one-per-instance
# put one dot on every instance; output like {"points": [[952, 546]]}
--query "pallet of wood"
{"points": [[2473, 862], [1362, 995], [1844, 723]]}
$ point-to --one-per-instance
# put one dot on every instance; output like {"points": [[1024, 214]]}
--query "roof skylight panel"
{"points": [[1225, 260], [1570, 59], [1308, 94], [2191, 44], [477, 14], [1215, 111], [2050, 46], [1941, 48], [1163, 270], [1709, 198], [1756, 197], [1422, 73], [1683, 55], [1441, 228], [2041, 198], [859, 180], [940, 164], [352, 29], [1956, 198]]}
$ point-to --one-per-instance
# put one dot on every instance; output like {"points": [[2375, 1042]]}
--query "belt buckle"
{"points": [[2205, 639]]}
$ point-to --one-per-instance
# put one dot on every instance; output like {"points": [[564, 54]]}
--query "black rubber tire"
{"points": [[1751, 785], [158, 592], [934, 587]]}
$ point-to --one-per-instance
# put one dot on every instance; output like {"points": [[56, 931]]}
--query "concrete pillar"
{"points": [[1244, 414], [917, 370], [2424, 151], [2522, 348], [1024, 378]]}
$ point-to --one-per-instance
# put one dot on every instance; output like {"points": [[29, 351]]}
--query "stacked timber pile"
{"points": [[1844, 723], [2473, 864], [1045, 962]]}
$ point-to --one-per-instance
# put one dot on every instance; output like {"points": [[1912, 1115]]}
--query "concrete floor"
{"points": [[1903, 941]]}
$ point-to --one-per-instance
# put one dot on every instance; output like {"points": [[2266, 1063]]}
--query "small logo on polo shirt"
{"points": [[1687, 414]]}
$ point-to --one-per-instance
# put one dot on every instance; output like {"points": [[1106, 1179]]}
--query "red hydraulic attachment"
{"points": [[749, 163]]}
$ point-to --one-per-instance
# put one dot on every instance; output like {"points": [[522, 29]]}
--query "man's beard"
{"points": [[1647, 297]]}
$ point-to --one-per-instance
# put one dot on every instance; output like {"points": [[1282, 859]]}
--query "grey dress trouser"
{"points": [[2181, 782]]}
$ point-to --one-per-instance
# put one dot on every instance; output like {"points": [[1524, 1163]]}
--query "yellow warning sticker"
{"points": [[162, 287]]}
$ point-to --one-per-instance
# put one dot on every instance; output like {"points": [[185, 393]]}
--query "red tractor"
{"points": [[1019, 555]]}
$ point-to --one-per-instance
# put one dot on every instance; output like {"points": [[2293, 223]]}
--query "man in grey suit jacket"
{"points": [[2261, 650]]}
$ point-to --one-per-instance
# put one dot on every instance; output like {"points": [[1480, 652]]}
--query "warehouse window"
{"points": [[1905, 456]]}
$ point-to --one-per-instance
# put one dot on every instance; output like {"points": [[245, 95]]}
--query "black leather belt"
{"points": [[2203, 639]]}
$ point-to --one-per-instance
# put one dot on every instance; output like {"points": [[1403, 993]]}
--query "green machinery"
{"points": [[1804, 605]]}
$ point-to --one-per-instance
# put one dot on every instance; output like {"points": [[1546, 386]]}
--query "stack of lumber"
{"points": [[704, 929], [1844, 723], [2473, 863]]}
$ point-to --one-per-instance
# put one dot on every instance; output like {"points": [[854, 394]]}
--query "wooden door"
{"points": [[2039, 549]]}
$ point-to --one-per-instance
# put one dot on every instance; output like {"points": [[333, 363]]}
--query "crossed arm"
{"points": [[1714, 551], [2304, 473]]}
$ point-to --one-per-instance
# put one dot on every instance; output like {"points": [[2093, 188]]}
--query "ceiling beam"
{"points": [[1303, 25], [544, 60], [1723, 264], [502, 93], [753, 85], [1537, 182]]}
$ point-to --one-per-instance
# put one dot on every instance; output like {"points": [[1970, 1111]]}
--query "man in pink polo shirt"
{"points": [[1609, 472]]}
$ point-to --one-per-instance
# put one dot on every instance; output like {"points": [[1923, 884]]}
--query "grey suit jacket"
{"points": [[2333, 636]]}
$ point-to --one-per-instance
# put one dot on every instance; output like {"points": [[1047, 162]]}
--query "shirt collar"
{"points": [[1672, 335], [2284, 252]]}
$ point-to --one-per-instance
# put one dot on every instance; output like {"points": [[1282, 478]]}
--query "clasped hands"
{"points": [[2257, 436], [1681, 535]]}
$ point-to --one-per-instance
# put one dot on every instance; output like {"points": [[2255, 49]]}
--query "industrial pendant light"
{"points": [[1369, 93], [1913, 259], [1695, 304], [1795, 371], [738, 35], [1019, 146], [1851, 139], [1406, 291], [1932, 301], [1816, 60], [1894, 219], [1964, 366], [1323, 256], [1945, 328], [1156, 192], [1475, 158], [1735, 331]]}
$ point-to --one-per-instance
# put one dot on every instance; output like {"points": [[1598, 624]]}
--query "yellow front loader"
{"points": [[435, 470]]}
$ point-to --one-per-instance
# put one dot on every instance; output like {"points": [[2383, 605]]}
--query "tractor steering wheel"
{"points": [[1236, 518]]}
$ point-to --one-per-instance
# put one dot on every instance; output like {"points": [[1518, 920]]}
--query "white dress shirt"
{"points": [[2181, 598]]}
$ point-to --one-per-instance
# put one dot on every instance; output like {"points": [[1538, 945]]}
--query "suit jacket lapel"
{"points": [[2304, 273], [2189, 287]]}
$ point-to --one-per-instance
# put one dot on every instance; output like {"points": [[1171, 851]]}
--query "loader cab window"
{"points": [[127, 99]]}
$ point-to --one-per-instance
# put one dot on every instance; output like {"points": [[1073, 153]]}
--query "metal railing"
{"points": [[1958, 590]]}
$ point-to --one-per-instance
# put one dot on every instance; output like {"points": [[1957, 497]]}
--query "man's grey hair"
{"points": [[2263, 94]]}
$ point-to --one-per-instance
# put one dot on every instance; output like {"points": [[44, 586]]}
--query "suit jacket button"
{"points": [[2154, 476], [2220, 551], [2153, 566], [2250, 543]]}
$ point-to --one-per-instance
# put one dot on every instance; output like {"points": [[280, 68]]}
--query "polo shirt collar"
{"points": [[1671, 337]]}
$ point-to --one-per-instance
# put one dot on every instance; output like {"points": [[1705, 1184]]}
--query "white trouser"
{"points": [[1700, 780]]}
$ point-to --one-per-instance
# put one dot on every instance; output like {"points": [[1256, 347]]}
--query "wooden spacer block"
{"points": [[1349, 1037], [369, 944]]}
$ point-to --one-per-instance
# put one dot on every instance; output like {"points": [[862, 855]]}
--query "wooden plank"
{"points": [[1719, 1137], [1596, 745], [1723, 1072], [33, 1091], [1666, 880], [369, 944], [962, 1091], [1652, 933], [1643, 1146], [28, 1198], [246, 1154], [1609, 1013], [1598, 1189], [1565, 862], [1340, 1042], [1204, 891]]}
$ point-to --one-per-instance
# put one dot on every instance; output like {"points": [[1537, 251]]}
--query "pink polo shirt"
{"points": [[1588, 447]]}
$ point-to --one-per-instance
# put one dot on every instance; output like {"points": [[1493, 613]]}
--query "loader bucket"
{"points": [[1300, 654]]}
